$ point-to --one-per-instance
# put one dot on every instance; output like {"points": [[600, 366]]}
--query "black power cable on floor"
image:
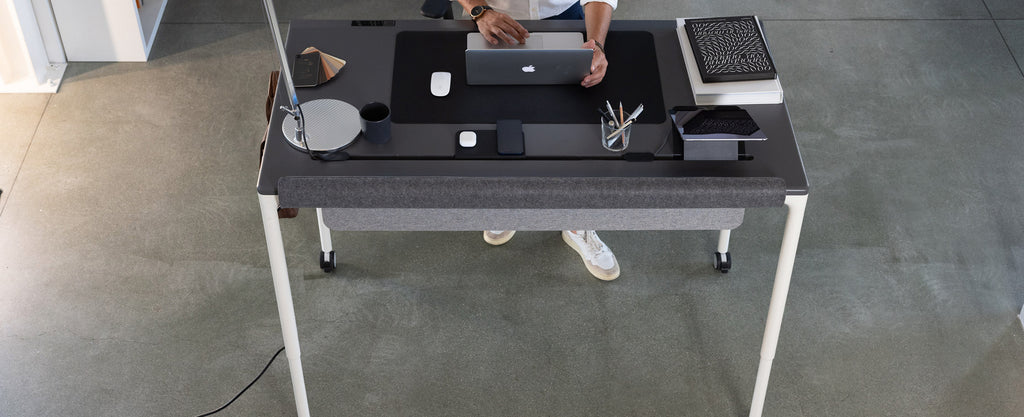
{"points": [[247, 386]]}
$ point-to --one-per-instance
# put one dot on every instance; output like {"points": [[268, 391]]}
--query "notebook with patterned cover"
{"points": [[730, 49]]}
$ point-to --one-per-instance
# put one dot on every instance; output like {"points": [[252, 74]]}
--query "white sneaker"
{"points": [[498, 237], [599, 260]]}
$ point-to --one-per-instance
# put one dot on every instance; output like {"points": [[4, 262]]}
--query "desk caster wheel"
{"points": [[326, 264], [723, 261]]}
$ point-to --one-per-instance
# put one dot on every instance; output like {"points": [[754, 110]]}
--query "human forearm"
{"points": [[598, 18], [494, 25], [470, 4]]}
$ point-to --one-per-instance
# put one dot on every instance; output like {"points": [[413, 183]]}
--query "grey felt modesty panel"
{"points": [[531, 219], [530, 192]]}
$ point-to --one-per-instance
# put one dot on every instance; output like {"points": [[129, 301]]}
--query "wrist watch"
{"points": [[478, 11]]}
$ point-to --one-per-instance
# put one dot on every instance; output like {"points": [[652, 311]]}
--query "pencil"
{"points": [[619, 130]]}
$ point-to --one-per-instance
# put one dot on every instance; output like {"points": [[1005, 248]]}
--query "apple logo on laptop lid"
{"points": [[529, 68]]}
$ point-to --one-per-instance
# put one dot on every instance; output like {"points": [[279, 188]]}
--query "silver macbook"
{"points": [[546, 58]]}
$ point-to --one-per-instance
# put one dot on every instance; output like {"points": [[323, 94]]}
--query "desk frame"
{"points": [[777, 158], [286, 310]]}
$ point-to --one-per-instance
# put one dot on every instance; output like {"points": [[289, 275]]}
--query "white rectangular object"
{"points": [[107, 30], [731, 93], [547, 58], [31, 60], [537, 40]]}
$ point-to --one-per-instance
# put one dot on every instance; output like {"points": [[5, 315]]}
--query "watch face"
{"points": [[476, 10]]}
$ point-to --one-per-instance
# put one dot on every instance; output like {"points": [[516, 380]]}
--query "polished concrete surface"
{"points": [[134, 277]]}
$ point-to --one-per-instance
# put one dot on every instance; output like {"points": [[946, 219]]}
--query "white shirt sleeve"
{"points": [[613, 3], [517, 9]]}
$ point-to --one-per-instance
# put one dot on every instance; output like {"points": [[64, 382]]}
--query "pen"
{"points": [[621, 117], [636, 113], [611, 111]]}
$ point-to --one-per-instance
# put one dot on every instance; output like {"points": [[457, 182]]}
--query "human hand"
{"points": [[500, 27], [598, 65]]}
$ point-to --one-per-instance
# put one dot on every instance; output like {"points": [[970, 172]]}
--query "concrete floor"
{"points": [[134, 279]]}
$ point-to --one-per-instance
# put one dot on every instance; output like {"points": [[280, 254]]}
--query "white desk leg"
{"points": [[325, 233], [328, 261], [723, 260], [784, 271], [283, 292], [1021, 316], [723, 240]]}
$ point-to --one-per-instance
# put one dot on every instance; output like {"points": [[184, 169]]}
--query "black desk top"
{"points": [[426, 150]]}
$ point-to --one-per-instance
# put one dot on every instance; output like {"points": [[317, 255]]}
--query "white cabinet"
{"points": [[107, 30], [31, 59]]}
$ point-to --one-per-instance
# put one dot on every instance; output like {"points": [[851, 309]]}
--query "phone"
{"points": [[306, 71]]}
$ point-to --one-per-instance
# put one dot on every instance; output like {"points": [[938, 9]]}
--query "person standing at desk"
{"points": [[496, 21]]}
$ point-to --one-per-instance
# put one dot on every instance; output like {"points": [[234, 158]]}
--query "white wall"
{"points": [[29, 60]]}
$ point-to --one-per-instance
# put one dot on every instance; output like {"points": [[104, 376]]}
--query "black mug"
{"points": [[375, 119]]}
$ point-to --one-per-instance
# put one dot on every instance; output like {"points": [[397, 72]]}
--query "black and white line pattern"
{"points": [[730, 47]]}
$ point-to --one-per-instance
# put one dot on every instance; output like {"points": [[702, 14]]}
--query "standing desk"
{"points": [[416, 181]]}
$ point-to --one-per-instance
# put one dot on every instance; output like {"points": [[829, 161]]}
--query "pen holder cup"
{"points": [[615, 138]]}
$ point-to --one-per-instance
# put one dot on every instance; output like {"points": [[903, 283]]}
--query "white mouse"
{"points": [[440, 83], [467, 139]]}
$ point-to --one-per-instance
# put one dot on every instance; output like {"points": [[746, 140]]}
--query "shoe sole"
{"points": [[497, 242], [595, 271]]}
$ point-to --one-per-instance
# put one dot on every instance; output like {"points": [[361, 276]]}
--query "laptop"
{"points": [[547, 58]]}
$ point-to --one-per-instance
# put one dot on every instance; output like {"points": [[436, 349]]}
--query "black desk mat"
{"points": [[632, 78]]}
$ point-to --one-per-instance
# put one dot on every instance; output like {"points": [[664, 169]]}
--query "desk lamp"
{"points": [[321, 125]]}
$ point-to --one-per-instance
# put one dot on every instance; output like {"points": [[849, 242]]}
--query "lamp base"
{"points": [[330, 125]]}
